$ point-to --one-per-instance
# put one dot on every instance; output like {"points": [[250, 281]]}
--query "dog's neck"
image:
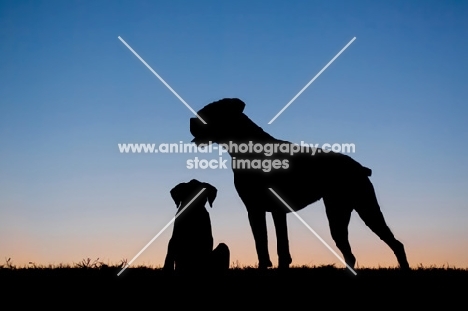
{"points": [[247, 132]]}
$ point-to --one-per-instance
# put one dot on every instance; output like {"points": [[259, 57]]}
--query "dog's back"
{"points": [[192, 231]]}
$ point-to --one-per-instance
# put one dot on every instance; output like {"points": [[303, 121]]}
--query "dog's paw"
{"points": [[405, 267], [283, 263], [350, 261], [265, 265]]}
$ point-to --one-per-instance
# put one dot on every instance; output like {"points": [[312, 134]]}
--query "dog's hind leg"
{"points": [[282, 242], [257, 221], [370, 213], [338, 215], [373, 218]]}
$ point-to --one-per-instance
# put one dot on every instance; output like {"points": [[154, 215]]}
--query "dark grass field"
{"points": [[423, 286]]}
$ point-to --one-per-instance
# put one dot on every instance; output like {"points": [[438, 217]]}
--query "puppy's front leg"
{"points": [[257, 221], [169, 261]]}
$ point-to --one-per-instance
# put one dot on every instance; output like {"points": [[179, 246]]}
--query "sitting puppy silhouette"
{"points": [[190, 248], [300, 179]]}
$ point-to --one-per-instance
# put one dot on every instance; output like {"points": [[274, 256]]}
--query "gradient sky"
{"points": [[70, 91]]}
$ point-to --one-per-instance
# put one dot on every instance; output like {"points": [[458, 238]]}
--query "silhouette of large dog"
{"points": [[299, 179], [190, 248]]}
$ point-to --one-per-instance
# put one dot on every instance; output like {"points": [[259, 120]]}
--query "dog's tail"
{"points": [[367, 171]]}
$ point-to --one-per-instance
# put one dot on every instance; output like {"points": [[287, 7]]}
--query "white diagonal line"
{"points": [[308, 227], [157, 235], [310, 82], [162, 80]]}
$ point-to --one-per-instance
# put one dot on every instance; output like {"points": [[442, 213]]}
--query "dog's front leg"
{"points": [[257, 221], [282, 242]]}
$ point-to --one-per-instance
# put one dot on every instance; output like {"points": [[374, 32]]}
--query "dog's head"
{"points": [[183, 193], [220, 116]]}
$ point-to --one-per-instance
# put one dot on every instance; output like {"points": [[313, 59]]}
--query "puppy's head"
{"points": [[183, 193], [220, 116]]}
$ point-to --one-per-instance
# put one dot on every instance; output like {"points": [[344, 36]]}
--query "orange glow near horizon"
{"points": [[370, 253]]}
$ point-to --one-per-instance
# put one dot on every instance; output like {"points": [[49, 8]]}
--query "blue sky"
{"points": [[70, 91]]}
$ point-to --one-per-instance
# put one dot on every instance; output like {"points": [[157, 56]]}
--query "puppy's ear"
{"points": [[178, 194], [211, 193]]}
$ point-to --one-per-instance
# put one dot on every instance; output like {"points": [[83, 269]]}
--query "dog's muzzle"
{"points": [[199, 131]]}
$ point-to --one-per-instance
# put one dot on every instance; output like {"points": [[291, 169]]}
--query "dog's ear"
{"points": [[178, 194], [238, 105], [211, 193]]}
